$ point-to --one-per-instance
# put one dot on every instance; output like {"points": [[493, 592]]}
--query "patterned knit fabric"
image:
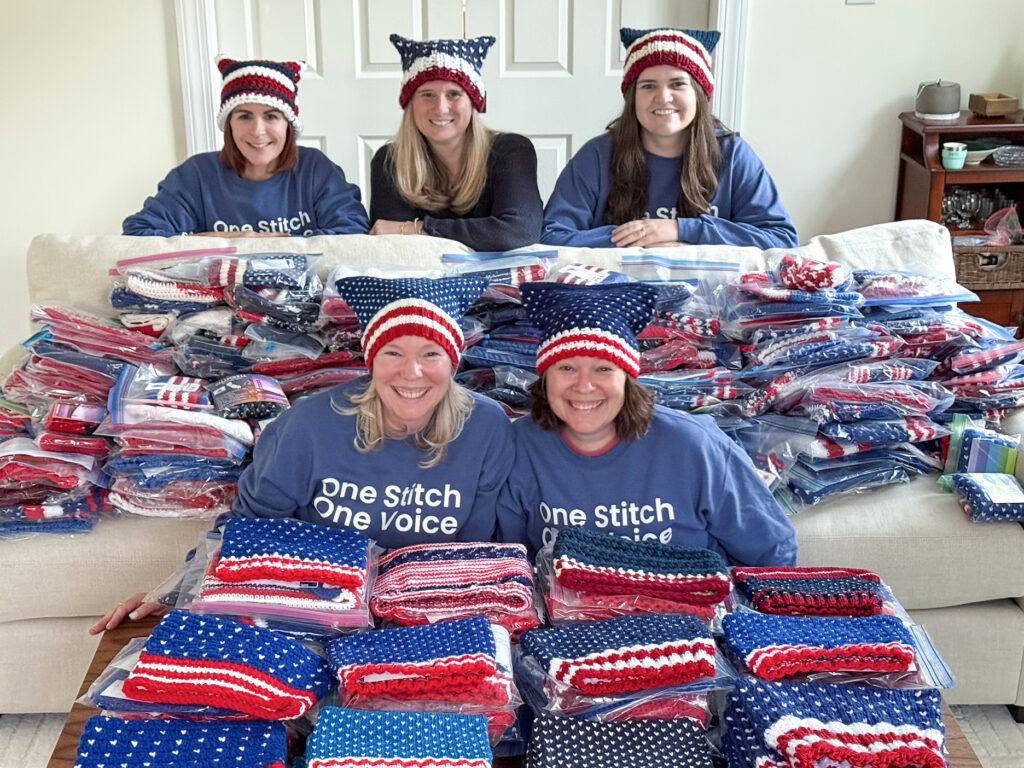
{"points": [[292, 550], [810, 591], [989, 497], [193, 659], [177, 392], [599, 321], [457, 61], [110, 742], [591, 561], [352, 738], [272, 270], [558, 742], [270, 83], [812, 275], [447, 661], [426, 582], [777, 647], [810, 725], [686, 49], [627, 653]]}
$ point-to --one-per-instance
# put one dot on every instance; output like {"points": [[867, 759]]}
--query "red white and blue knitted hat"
{"points": [[271, 83], [686, 49], [457, 61], [590, 321], [410, 306]]}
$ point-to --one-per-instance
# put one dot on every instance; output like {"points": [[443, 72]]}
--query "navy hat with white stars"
{"points": [[457, 61], [589, 320], [686, 49], [431, 307]]}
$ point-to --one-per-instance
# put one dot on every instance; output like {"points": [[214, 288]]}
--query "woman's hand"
{"points": [[133, 608], [645, 233], [241, 233], [388, 227]]}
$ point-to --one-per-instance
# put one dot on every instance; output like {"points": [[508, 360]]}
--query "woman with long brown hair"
{"points": [[666, 171]]}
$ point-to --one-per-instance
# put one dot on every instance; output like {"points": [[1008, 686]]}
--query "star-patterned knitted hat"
{"points": [[589, 320], [457, 61], [686, 49], [351, 737], [271, 83], [410, 306]]}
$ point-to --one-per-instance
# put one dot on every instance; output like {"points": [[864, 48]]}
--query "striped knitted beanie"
{"points": [[292, 550], [686, 49], [353, 738], [561, 742], [626, 653], [271, 83], [426, 582], [599, 321], [410, 306], [110, 742], [810, 591], [803, 725], [457, 61], [196, 659], [447, 661], [590, 561], [777, 647]]}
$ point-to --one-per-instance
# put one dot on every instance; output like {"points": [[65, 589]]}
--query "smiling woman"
{"points": [[261, 183]]}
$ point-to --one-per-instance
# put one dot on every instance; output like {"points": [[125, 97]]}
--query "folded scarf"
{"points": [[627, 653], [447, 661], [590, 561], [810, 591], [277, 270], [110, 742], [558, 742], [353, 738], [989, 497], [195, 659], [291, 550], [776, 647], [808, 725]]}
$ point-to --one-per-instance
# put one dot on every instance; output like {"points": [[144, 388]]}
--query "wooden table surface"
{"points": [[960, 753]]}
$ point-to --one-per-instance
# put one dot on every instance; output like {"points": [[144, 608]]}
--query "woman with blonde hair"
{"points": [[444, 173]]}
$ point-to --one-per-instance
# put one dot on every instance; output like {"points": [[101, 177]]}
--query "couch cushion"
{"points": [[51, 575], [919, 541]]}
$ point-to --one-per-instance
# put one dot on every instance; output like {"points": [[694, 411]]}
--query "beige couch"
{"points": [[964, 582]]}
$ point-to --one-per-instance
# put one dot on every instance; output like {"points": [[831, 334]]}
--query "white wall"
{"points": [[825, 82], [92, 113]]}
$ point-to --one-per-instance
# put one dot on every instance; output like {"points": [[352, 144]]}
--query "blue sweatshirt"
{"points": [[306, 466], [201, 195], [744, 211], [508, 214], [684, 483]]}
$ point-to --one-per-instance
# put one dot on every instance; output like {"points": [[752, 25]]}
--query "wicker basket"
{"points": [[989, 267]]}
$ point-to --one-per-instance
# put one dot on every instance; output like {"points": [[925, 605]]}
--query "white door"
{"points": [[553, 74]]}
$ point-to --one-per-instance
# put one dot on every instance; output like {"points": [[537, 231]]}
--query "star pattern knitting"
{"points": [[457, 61]]}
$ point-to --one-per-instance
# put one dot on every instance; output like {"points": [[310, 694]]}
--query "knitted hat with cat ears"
{"points": [[686, 49], [271, 83]]}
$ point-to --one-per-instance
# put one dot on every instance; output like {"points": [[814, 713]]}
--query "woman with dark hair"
{"points": [[444, 173], [666, 171], [261, 183], [597, 452]]}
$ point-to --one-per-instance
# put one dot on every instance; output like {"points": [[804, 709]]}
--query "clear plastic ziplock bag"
{"points": [[896, 288], [259, 270], [806, 274]]}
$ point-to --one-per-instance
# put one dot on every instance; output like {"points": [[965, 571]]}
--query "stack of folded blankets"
{"points": [[461, 665], [287, 569], [432, 582], [595, 575]]}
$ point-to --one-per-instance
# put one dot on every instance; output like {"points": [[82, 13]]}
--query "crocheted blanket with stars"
{"points": [[448, 661], [776, 647], [292, 550], [197, 659], [353, 738], [562, 742], [424, 582], [110, 742], [810, 591], [591, 561], [810, 725], [626, 653]]}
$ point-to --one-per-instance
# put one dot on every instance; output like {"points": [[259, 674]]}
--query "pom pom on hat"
{"points": [[686, 49], [410, 306], [271, 83], [589, 320], [457, 61]]}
